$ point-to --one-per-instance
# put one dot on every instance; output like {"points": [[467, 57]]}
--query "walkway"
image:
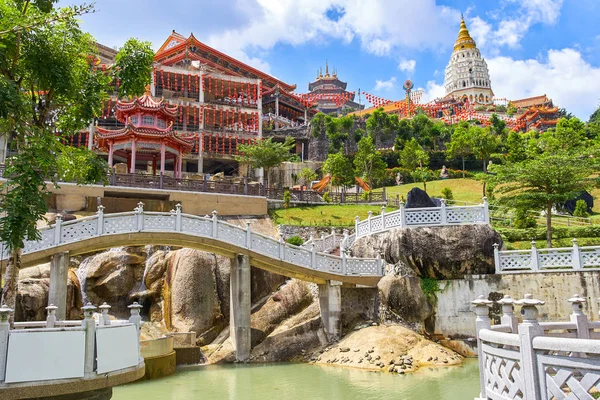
{"points": [[138, 228]]}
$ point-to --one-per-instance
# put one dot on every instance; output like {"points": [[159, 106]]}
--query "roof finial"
{"points": [[320, 72], [462, 17], [326, 68]]}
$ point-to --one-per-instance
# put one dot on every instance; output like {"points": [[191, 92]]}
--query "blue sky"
{"points": [[532, 47]]}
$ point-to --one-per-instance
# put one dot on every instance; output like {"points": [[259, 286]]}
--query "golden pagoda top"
{"points": [[464, 40]]}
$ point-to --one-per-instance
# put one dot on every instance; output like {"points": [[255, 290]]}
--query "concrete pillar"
{"points": [[239, 323], [330, 302], [59, 278]]}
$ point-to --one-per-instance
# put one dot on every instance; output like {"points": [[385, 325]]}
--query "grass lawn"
{"points": [[330, 215], [462, 189], [541, 244]]}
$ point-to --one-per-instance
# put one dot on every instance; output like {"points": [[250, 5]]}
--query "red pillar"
{"points": [[153, 165]]}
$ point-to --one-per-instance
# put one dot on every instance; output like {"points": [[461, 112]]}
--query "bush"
{"points": [[455, 173], [448, 195], [326, 197], [287, 197], [581, 209], [295, 240], [365, 195], [519, 235], [524, 220], [404, 172]]}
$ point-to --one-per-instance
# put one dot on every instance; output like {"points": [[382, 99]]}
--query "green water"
{"points": [[305, 382]]}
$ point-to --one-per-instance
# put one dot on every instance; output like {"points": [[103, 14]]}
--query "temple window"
{"points": [[135, 120], [161, 123], [148, 120]]}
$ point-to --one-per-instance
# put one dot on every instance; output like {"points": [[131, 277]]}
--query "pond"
{"points": [[303, 381]]}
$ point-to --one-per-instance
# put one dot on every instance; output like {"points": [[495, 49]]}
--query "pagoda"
{"points": [[147, 136], [330, 93], [467, 75]]}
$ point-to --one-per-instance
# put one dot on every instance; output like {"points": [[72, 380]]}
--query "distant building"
{"points": [[467, 74], [536, 112], [331, 94]]}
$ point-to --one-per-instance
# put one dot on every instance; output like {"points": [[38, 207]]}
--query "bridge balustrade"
{"points": [[419, 217], [558, 259], [537, 360], [55, 350], [210, 227]]}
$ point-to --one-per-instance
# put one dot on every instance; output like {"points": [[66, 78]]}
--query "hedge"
{"points": [[518, 235]]}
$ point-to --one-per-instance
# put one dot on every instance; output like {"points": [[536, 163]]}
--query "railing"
{"points": [[311, 196], [547, 260], [192, 185], [416, 217], [538, 361], [210, 227], [56, 350], [331, 242]]}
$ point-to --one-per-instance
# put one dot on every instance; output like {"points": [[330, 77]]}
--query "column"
{"points": [[59, 278], [277, 108], [176, 166], [91, 136], [153, 165], [330, 303], [110, 154], [259, 106], [162, 158], [239, 323], [132, 156], [200, 152]]}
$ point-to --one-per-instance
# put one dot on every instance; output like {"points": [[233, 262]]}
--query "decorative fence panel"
{"points": [[209, 227], [547, 260], [417, 217]]}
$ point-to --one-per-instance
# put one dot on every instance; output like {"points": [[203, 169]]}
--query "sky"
{"points": [[532, 47]]}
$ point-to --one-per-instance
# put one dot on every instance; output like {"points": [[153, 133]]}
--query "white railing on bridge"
{"points": [[55, 350], [210, 227], [331, 242], [533, 360], [418, 217], [574, 258]]}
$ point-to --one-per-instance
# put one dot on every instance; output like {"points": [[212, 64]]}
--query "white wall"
{"points": [[117, 347]]}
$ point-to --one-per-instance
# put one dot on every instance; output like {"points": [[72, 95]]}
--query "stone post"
{"points": [[402, 210], [313, 256], [140, 216], [577, 262], [383, 218], [578, 317], [370, 216], [497, 258], [333, 234], [59, 280], [51, 318], [486, 211], [178, 217], [356, 221], [248, 236], [535, 257], [482, 310], [443, 214], [135, 318], [105, 319], [281, 248], [57, 229], [89, 324], [215, 226], [508, 315], [4, 328], [240, 290], [529, 329], [330, 303], [100, 214]]}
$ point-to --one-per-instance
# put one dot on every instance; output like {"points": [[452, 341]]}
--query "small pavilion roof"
{"points": [[147, 105], [141, 133]]}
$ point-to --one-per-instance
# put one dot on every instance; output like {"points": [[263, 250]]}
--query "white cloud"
{"points": [[432, 91], [564, 76], [407, 66], [480, 30], [385, 85]]}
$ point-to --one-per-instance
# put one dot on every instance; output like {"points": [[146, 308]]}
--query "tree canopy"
{"points": [[266, 153], [368, 162], [133, 65], [340, 169]]}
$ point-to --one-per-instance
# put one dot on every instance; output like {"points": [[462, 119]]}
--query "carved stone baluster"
{"points": [[4, 328], [248, 236], [105, 319], [58, 229], [482, 310], [100, 226], [215, 224], [178, 217], [528, 330], [51, 318]]}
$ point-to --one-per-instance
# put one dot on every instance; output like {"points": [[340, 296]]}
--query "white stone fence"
{"points": [[331, 242], [56, 350], [417, 217], [535, 360], [210, 227], [558, 259]]}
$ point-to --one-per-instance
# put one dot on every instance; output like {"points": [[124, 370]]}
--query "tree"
{"points": [[381, 125], [563, 113], [413, 155], [421, 130], [318, 124], [306, 176], [48, 85], [497, 125], [133, 65], [333, 128], [595, 117], [516, 147], [266, 154], [422, 174], [543, 182], [483, 143], [460, 145], [340, 169], [368, 162]]}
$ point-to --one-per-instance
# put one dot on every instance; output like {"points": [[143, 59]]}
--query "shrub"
{"points": [[326, 197], [365, 195], [448, 195], [581, 209], [519, 235], [287, 197], [295, 240], [524, 220], [455, 173]]}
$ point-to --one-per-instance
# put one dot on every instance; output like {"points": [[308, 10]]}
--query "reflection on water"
{"points": [[302, 382]]}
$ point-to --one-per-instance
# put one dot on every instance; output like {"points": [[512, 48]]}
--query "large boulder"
{"points": [[448, 252], [403, 301], [417, 198]]}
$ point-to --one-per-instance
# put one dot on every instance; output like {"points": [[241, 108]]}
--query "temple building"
{"points": [[330, 93], [536, 112], [467, 74]]}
